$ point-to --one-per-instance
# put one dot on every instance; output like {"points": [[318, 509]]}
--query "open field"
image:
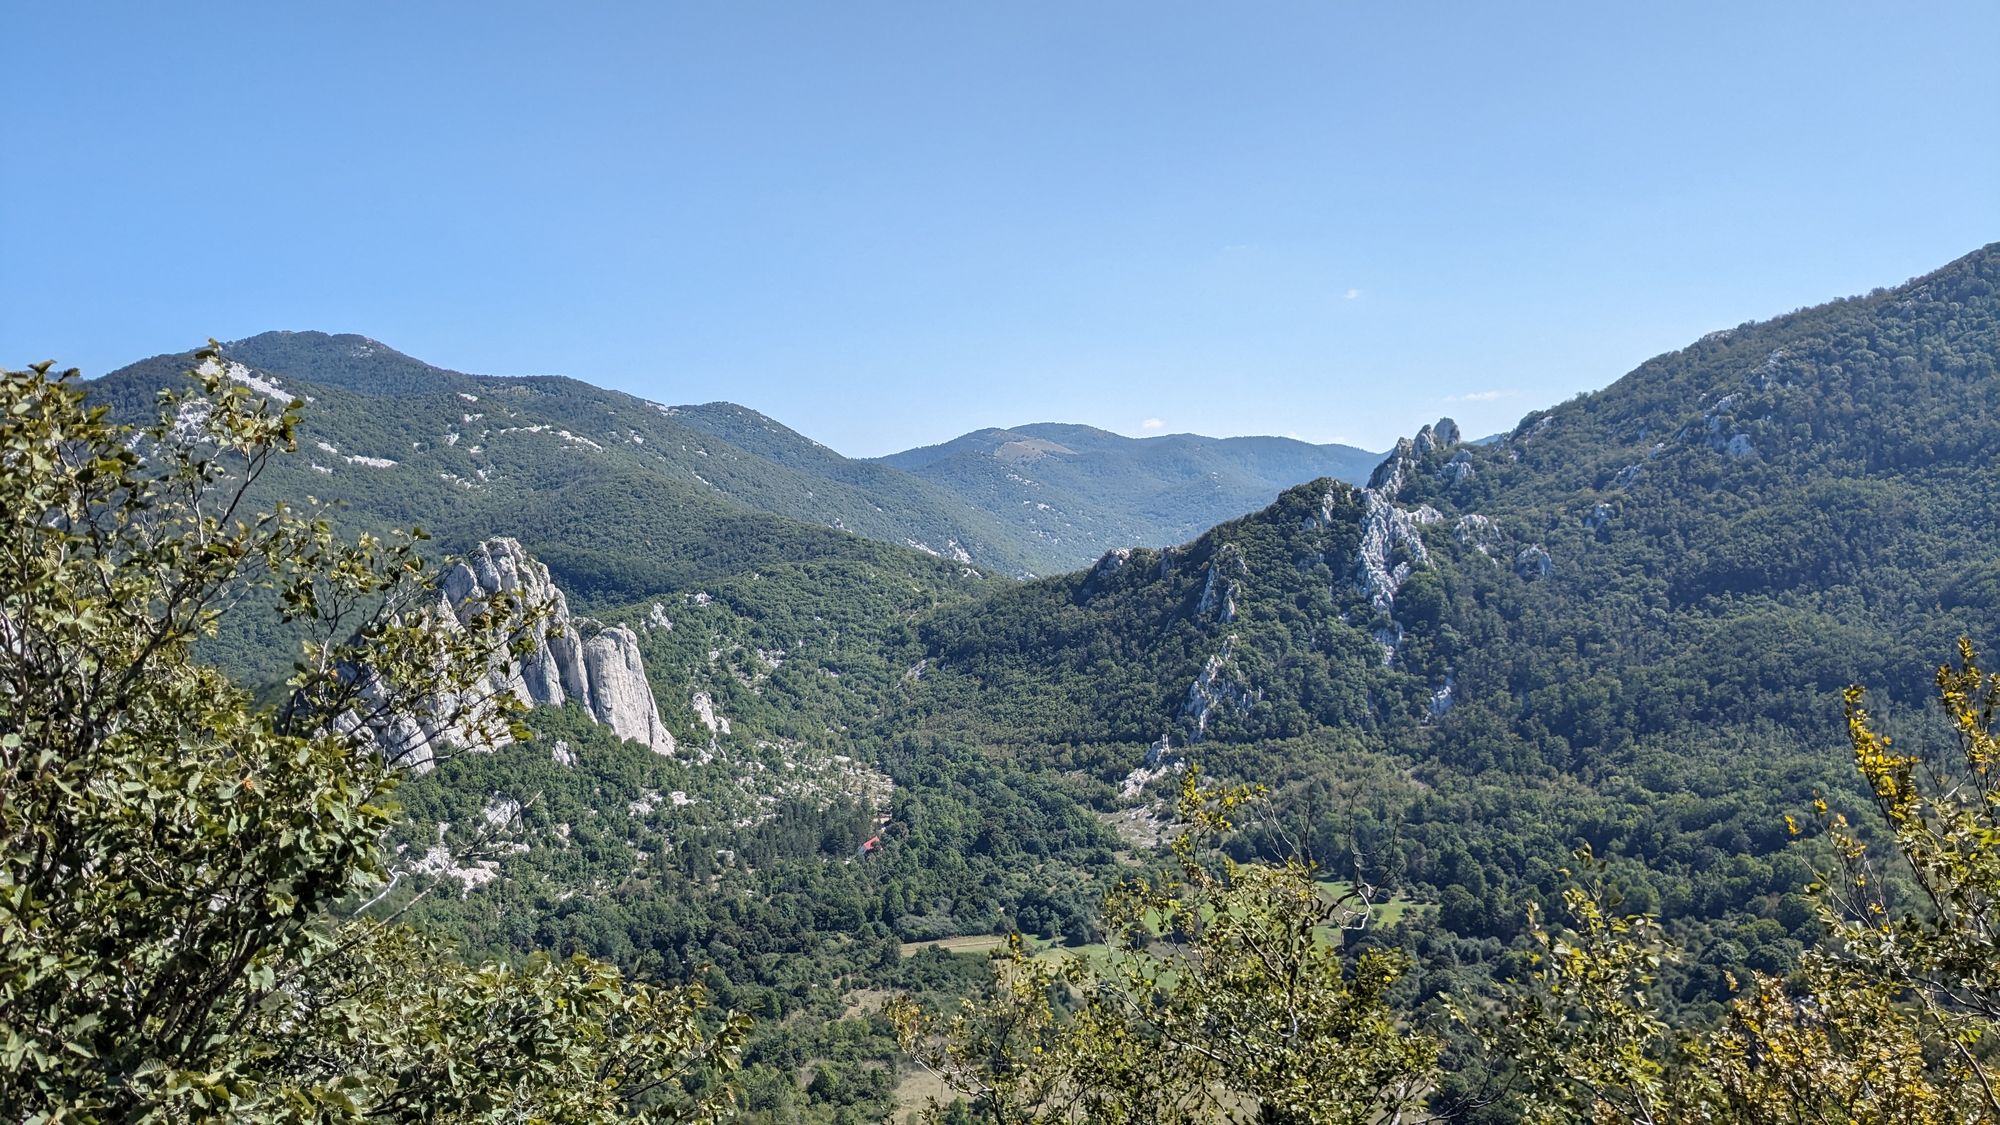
{"points": [[1386, 912], [915, 1091], [968, 943]]}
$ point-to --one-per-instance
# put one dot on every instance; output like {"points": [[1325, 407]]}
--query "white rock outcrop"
{"points": [[1476, 531], [703, 706], [1391, 546], [1161, 759], [574, 658], [616, 692], [1220, 589], [1445, 697], [1218, 689], [1459, 469], [1112, 562]]}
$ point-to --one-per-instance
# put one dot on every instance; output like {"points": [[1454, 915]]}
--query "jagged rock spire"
{"points": [[574, 658]]}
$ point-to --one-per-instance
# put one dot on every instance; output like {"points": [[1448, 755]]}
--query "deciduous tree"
{"points": [[174, 859]]}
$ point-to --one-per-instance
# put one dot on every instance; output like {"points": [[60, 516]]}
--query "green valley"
{"points": [[1624, 626]]}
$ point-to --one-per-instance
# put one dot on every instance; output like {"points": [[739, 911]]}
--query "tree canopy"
{"points": [[182, 868]]}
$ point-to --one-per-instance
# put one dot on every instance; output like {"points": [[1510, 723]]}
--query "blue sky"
{"points": [[886, 224]]}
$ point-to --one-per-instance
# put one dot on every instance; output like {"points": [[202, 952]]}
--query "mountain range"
{"points": [[1097, 491], [1624, 625], [672, 489]]}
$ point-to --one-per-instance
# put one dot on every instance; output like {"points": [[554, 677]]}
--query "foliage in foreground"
{"points": [[174, 859], [1228, 991], [1891, 1020], [1226, 1001]]}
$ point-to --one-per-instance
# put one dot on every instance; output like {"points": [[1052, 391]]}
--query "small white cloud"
{"points": [[1480, 396], [1151, 424], [1351, 295], [1294, 435]]}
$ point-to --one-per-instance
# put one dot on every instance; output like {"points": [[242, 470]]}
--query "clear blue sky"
{"points": [[886, 224]]}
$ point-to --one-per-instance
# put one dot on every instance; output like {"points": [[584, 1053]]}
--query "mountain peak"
{"points": [[353, 344], [345, 360]]}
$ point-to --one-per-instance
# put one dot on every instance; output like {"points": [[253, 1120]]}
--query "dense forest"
{"points": [[1622, 630]]}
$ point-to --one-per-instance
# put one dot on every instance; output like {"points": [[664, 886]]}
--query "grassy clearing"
{"points": [[916, 1090], [1384, 913], [1095, 954], [967, 944], [864, 1002]]}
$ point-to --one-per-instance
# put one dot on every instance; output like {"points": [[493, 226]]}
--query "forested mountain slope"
{"points": [[616, 494], [1082, 491], [1624, 624], [1823, 475]]}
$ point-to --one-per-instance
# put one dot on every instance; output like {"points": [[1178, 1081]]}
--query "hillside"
{"points": [[962, 502], [1082, 491], [1626, 623], [1830, 470], [617, 494], [1450, 678]]}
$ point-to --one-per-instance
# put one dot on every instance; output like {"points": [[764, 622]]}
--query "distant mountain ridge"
{"points": [[538, 456], [615, 494], [1085, 491], [350, 362]]}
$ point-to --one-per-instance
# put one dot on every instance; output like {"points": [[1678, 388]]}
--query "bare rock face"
{"points": [[1459, 469], [1389, 476], [1219, 592], [1392, 547], [617, 694], [574, 658], [1219, 689], [1110, 564], [553, 673]]}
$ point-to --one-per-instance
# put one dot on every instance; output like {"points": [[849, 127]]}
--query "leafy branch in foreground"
{"points": [[1227, 993], [173, 860], [1891, 1020]]}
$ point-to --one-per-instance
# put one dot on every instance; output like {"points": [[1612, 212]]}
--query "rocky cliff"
{"points": [[1391, 545], [574, 658]]}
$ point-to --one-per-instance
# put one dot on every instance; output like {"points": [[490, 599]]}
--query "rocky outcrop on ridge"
{"points": [[1391, 546], [1220, 591], [574, 658], [1219, 688]]}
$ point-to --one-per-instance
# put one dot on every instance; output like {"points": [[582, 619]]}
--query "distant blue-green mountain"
{"points": [[623, 496], [1081, 491]]}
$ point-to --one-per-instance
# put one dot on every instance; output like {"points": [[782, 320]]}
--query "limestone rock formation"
{"points": [[574, 658], [1391, 547], [616, 693], [1112, 562], [1219, 688], [1478, 532], [1459, 469], [1219, 591]]}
